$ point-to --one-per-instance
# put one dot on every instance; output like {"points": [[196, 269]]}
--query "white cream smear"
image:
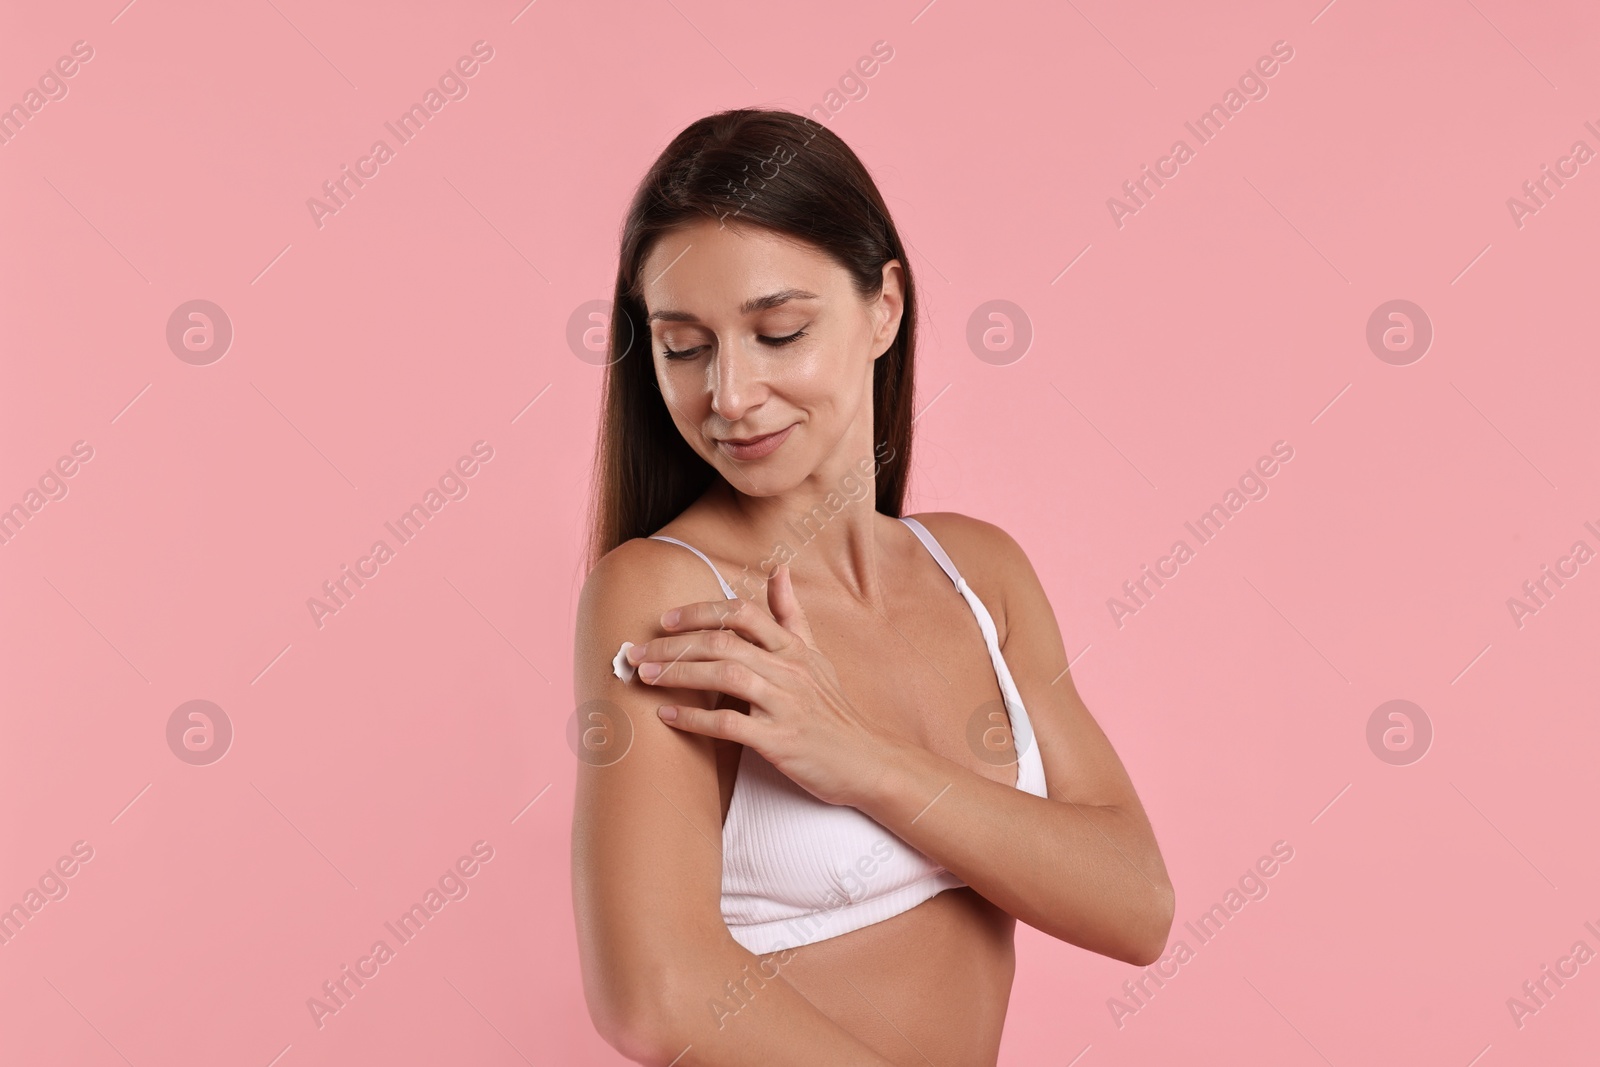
{"points": [[620, 665]]}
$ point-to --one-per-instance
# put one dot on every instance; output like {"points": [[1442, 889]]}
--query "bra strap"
{"points": [[935, 549], [726, 588]]}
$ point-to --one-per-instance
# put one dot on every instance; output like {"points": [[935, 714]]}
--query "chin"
{"points": [[751, 482]]}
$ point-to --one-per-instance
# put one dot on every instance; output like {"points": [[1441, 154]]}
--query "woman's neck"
{"points": [[828, 537]]}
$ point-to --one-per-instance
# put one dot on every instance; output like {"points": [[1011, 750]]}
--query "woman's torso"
{"points": [[938, 976]]}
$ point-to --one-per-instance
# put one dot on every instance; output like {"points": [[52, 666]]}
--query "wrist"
{"points": [[889, 791]]}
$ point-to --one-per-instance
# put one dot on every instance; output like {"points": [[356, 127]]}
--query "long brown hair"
{"points": [[763, 168]]}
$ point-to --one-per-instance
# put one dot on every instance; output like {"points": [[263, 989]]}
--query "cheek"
{"points": [[826, 376], [810, 384], [801, 374], [818, 373], [683, 386], [688, 401]]}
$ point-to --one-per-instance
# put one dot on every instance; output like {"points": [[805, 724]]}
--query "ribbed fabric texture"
{"points": [[796, 870]]}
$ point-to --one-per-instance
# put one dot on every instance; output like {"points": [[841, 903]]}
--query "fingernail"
{"points": [[671, 617], [635, 653], [649, 671], [667, 712]]}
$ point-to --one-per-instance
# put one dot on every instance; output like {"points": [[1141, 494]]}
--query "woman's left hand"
{"points": [[800, 720]]}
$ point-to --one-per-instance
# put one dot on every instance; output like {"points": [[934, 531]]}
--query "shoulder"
{"points": [[623, 598], [644, 575], [964, 529], [975, 545], [989, 558]]}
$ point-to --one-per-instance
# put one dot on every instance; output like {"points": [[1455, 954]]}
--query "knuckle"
{"points": [[731, 674]]}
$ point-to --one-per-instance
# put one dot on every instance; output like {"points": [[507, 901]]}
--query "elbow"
{"points": [[1154, 926], [626, 1034], [637, 1029], [639, 1043], [634, 1015], [636, 1033], [624, 1013]]}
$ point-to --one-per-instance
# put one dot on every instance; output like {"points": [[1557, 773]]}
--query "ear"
{"points": [[890, 307]]}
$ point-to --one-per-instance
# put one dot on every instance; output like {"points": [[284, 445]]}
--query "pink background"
{"points": [[431, 311]]}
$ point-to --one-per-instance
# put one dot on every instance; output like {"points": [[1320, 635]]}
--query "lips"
{"points": [[747, 448]]}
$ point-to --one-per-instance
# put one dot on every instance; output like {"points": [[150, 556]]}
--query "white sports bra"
{"points": [[796, 870]]}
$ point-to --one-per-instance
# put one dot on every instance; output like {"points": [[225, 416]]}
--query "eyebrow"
{"points": [[754, 304]]}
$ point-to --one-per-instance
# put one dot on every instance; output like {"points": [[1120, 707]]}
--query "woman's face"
{"points": [[754, 334]]}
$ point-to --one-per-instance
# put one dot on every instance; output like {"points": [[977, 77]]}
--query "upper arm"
{"points": [[646, 835], [1079, 763]]}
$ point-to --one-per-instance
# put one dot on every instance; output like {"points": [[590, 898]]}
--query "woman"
{"points": [[809, 812]]}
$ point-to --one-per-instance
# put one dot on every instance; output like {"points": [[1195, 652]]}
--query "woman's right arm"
{"points": [[657, 957]]}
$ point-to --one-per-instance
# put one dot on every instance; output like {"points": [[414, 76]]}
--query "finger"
{"points": [[743, 617], [697, 645], [712, 676], [786, 609], [724, 722]]}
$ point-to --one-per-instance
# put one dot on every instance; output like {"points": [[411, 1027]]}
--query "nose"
{"points": [[732, 383]]}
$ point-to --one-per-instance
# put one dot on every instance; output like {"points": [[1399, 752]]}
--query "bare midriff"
{"points": [[929, 985]]}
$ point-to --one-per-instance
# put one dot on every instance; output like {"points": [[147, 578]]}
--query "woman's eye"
{"points": [[775, 342], [779, 342]]}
